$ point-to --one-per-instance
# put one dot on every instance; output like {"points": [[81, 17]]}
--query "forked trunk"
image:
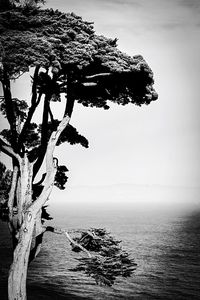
{"points": [[18, 270], [27, 212], [24, 226]]}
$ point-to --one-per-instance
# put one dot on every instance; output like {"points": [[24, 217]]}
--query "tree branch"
{"points": [[96, 76], [39, 238], [70, 99], [34, 86], [12, 196], [11, 224], [87, 84], [44, 136], [41, 180], [51, 114], [7, 149], [24, 188], [72, 241], [77, 244], [51, 167], [28, 120]]}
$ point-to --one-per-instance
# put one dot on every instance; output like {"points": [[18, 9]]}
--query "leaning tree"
{"points": [[68, 64]]}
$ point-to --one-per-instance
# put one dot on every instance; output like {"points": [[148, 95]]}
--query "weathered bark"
{"points": [[18, 271], [28, 213], [24, 187], [12, 194], [25, 224], [72, 241], [38, 233], [51, 165], [11, 224]]}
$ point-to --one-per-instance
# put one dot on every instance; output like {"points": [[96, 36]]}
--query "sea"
{"points": [[165, 245]]}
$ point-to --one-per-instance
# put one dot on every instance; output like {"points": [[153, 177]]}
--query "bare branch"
{"points": [[28, 120], [54, 138], [72, 241], [98, 75], [41, 180], [44, 136], [51, 167], [51, 114], [89, 84], [70, 99], [76, 244], [34, 86]]}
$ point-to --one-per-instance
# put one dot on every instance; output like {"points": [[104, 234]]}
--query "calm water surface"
{"points": [[166, 248]]}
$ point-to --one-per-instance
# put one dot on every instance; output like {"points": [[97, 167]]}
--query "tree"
{"points": [[71, 64]]}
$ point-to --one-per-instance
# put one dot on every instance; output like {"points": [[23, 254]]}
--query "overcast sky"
{"points": [[157, 144]]}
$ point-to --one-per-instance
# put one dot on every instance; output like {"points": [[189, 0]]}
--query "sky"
{"points": [[161, 141], [155, 145]]}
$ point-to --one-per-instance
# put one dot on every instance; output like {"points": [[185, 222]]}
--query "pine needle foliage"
{"points": [[108, 260], [69, 46]]}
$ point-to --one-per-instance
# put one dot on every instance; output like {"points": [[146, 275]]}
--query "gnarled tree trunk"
{"points": [[23, 231], [18, 269], [27, 221]]}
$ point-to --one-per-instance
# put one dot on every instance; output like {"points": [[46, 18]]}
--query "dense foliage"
{"points": [[108, 260], [69, 45]]}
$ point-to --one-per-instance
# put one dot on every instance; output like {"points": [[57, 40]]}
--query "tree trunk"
{"points": [[18, 270], [27, 214], [24, 230]]}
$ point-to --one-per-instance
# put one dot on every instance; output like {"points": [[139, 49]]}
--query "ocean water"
{"points": [[166, 248]]}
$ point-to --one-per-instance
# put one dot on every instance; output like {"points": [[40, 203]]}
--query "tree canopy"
{"points": [[84, 66], [69, 46]]}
